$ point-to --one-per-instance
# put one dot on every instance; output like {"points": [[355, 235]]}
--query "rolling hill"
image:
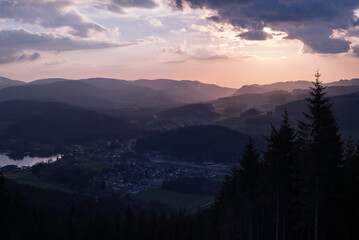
{"points": [[345, 108], [113, 93], [70, 92], [6, 82], [267, 101], [186, 91], [197, 112], [291, 86], [51, 122], [197, 144], [278, 86], [46, 81]]}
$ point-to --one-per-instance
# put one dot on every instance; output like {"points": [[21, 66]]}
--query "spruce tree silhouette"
{"points": [[278, 165], [321, 168]]}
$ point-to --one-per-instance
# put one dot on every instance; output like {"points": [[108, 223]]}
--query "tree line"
{"points": [[303, 186], [306, 185]]}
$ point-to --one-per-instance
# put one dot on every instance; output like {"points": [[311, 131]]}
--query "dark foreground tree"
{"points": [[6, 211], [277, 175], [237, 204], [318, 178], [351, 185]]}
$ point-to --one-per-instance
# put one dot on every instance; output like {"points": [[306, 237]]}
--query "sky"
{"points": [[224, 42]]}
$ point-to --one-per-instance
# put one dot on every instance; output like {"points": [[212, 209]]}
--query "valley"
{"points": [[133, 138]]}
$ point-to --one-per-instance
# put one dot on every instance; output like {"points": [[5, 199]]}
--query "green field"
{"points": [[29, 179], [174, 199]]}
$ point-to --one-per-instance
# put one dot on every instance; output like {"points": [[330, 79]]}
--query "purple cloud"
{"points": [[48, 15], [14, 44], [117, 6], [311, 21]]}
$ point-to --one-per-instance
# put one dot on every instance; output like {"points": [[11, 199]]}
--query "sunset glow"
{"points": [[158, 39]]}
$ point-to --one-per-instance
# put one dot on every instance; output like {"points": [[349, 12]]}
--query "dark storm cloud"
{"points": [[13, 44], [319, 40], [311, 21], [48, 15]]}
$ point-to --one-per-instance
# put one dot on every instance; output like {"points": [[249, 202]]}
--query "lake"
{"points": [[26, 161]]}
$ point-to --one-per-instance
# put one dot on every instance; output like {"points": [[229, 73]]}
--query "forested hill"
{"points": [[110, 93], [197, 144], [303, 187], [345, 109], [51, 122]]}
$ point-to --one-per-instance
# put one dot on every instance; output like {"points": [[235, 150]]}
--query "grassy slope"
{"points": [[29, 179]]}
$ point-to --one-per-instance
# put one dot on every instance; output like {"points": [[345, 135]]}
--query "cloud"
{"points": [[19, 58], [175, 62], [118, 6], [155, 22], [319, 40], [353, 32], [180, 50], [255, 35], [55, 63], [49, 14], [202, 54], [15, 43], [136, 3], [356, 51], [311, 21], [180, 31]]}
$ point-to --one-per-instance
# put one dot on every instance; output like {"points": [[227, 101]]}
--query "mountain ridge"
{"points": [[291, 86], [7, 82], [115, 93]]}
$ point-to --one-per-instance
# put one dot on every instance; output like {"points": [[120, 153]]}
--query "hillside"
{"points": [[187, 91], [267, 101], [6, 82], [88, 95], [345, 108], [106, 93], [290, 86], [282, 86], [51, 122], [192, 112], [46, 81], [74, 93], [264, 101], [344, 82], [197, 144], [126, 94]]}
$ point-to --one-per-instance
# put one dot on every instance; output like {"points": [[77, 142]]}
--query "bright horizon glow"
{"points": [[160, 42]]}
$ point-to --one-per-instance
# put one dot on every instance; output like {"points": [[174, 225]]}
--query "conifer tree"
{"points": [[320, 134], [5, 210], [278, 163], [351, 183], [236, 203], [248, 177]]}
